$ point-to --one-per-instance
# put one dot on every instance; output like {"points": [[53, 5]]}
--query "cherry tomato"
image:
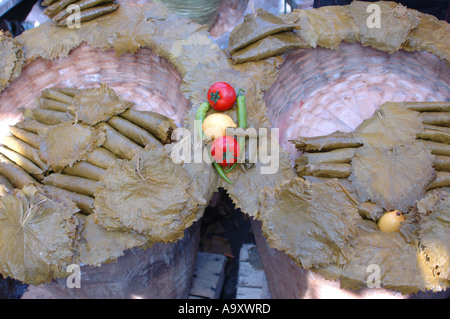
{"points": [[221, 96], [225, 150]]}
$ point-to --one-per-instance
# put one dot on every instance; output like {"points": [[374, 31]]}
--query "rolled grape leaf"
{"points": [[436, 148], [45, 116], [311, 222], [90, 14], [56, 96], [333, 141], [342, 155], [256, 26], [435, 133], [434, 232], [57, 7], [95, 105], [100, 157], [80, 185], [85, 203], [28, 137], [36, 240], [64, 144], [14, 173], [118, 144], [86, 170], [21, 161], [441, 163], [435, 118], [157, 124], [149, 194], [31, 125], [330, 170], [269, 46], [70, 91], [392, 124], [24, 149], [442, 180], [133, 132], [428, 106], [83, 4], [393, 178]]}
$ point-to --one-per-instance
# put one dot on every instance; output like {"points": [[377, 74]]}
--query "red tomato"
{"points": [[225, 150], [221, 96]]}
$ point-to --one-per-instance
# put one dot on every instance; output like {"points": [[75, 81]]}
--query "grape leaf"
{"points": [[311, 222], [36, 241]]}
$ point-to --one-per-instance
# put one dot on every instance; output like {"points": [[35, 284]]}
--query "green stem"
{"points": [[231, 168], [219, 169], [242, 122], [201, 115]]}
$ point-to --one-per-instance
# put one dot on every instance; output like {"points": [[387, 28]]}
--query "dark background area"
{"points": [[12, 20]]}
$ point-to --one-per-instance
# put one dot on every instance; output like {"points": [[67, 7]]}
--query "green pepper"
{"points": [[241, 109], [242, 122], [221, 172], [201, 115]]}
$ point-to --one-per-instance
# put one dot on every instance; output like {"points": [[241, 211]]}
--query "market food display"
{"points": [[97, 161], [61, 10], [106, 168]]}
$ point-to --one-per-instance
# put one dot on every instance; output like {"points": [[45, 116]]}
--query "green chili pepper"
{"points": [[241, 109], [219, 170], [242, 122], [201, 115], [231, 168]]}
